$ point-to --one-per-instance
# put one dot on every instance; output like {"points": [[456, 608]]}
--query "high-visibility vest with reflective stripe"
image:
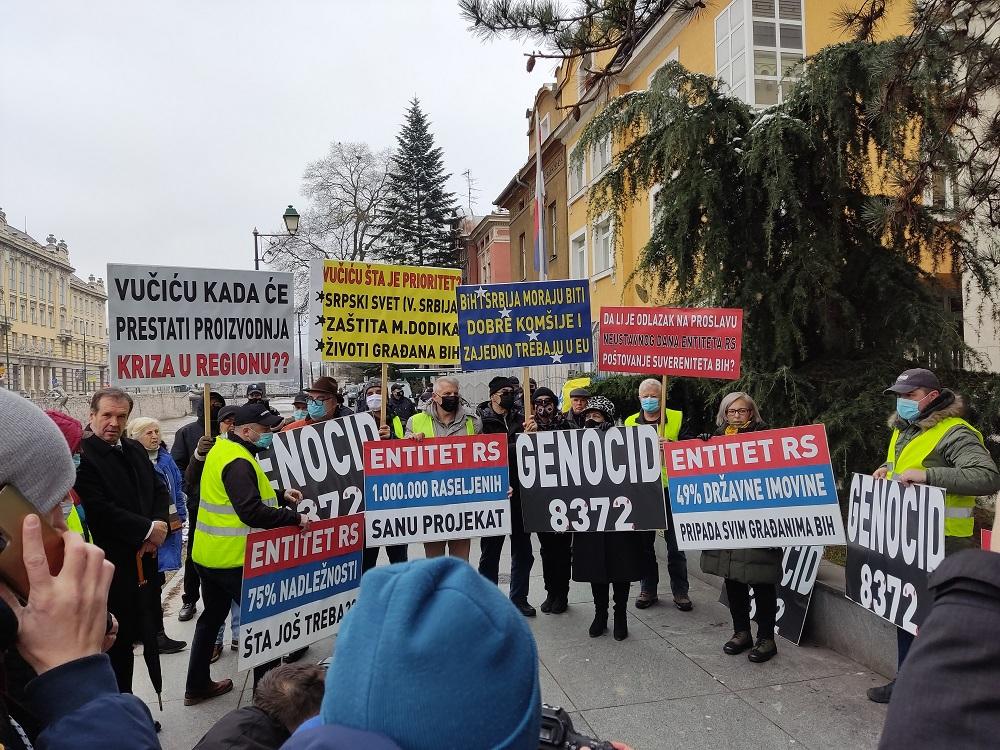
{"points": [[670, 429], [220, 536], [424, 424], [73, 523], [397, 427], [958, 520]]}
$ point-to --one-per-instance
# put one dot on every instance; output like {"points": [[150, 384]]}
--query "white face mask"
{"points": [[374, 401]]}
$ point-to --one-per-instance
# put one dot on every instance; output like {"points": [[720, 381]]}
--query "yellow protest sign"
{"points": [[367, 312]]}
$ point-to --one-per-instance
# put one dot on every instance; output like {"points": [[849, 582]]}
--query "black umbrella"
{"points": [[150, 619]]}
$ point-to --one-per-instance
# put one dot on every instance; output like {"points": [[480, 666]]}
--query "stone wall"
{"points": [[155, 405]]}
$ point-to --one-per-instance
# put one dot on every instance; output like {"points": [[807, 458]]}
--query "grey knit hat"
{"points": [[34, 456]]}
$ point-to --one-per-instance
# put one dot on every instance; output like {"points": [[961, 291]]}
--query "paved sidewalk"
{"points": [[668, 685]]}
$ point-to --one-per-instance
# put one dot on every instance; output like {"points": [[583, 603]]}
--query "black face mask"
{"points": [[214, 413], [507, 400], [590, 423], [545, 412], [449, 404]]}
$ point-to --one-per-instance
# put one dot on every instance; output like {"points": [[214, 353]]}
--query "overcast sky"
{"points": [[163, 132]]}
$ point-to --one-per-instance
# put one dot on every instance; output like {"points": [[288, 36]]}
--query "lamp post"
{"points": [[291, 219], [6, 337]]}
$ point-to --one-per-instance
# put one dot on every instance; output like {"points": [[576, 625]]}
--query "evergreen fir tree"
{"points": [[419, 208]]}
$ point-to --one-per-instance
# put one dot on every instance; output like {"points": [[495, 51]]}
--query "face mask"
{"points": [[449, 404], [374, 402], [592, 423], [264, 441], [299, 414], [316, 409], [76, 460], [545, 412], [214, 413], [507, 400], [907, 408], [650, 404]]}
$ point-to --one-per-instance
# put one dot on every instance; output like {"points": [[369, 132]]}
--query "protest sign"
{"points": [[297, 586], [363, 312], [436, 489], [695, 343], [591, 480], [799, 567], [173, 326], [773, 488], [323, 461], [524, 324], [895, 537]]}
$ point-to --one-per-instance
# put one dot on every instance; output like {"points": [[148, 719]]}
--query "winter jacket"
{"points": [[402, 407], [946, 691], [247, 728], [80, 707], [959, 464], [457, 427], [314, 735], [169, 554], [187, 437], [761, 565]]}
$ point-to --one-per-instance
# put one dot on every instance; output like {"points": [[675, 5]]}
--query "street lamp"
{"points": [[5, 325], [291, 219]]}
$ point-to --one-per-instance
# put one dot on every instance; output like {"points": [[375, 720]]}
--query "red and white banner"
{"points": [[177, 326], [689, 342]]}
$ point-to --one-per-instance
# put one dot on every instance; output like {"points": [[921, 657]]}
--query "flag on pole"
{"points": [[540, 256]]}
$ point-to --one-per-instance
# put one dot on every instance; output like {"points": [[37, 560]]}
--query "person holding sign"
{"points": [[236, 496], [933, 444], [743, 568], [397, 553], [668, 425], [444, 416], [556, 546], [607, 559], [500, 417]]}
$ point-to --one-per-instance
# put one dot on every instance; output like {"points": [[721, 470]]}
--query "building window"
{"points": [[602, 246], [552, 225], [41, 315], [524, 259], [34, 285], [730, 50], [576, 179], [939, 194], [582, 73], [578, 255], [544, 128], [24, 312], [653, 193], [24, 276], [602, 155]]}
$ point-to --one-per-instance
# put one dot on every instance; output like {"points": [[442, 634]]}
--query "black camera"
{"points": [[557, 731]]}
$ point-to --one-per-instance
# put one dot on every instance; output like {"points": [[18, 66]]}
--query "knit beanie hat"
{"points": [[542, 393], [434, 656], [498, 384], [34, 456], [71, 429], [139, 425]]}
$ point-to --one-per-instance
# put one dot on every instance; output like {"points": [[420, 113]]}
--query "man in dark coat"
{"points": [[182, 451], [401, 406], [127, 509], [500, 417]]}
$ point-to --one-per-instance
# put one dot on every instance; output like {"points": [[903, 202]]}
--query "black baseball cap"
{"points": [[256, 414], [226, 412], [301, 398], [910, 380]]}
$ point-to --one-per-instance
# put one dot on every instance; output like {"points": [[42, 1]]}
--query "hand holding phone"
{"points": [[65, 617], [14, 508]]}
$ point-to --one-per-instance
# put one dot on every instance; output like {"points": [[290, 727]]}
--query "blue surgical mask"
{"points": [[650, 404], [316, 409], [76, 460], [907, 408], [299, 414], [264, 441]]}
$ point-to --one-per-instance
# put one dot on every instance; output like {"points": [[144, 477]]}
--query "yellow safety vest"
{"points": [[424, 424], [670, 429], [958, 520], [73, 523], [397, 427], [220, 536]]}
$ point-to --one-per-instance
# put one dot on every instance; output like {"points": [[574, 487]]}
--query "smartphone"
{"points": [[13, 509]]}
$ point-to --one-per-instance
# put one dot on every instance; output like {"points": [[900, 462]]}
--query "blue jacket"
{"points": [[314, 735], [169, 554], [80, 707]]}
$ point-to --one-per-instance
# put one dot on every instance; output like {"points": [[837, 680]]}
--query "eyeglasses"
{"points": [[321, 399], [738, 412], [544, 402]]}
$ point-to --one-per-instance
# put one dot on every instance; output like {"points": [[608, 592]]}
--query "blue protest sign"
{"points": [[524, 324]]}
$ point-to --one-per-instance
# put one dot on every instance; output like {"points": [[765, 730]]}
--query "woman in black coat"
{"points": [[607, 558], [743, 568]]}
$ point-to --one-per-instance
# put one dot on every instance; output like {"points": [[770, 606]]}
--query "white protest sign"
{"points": [[173, 326]]}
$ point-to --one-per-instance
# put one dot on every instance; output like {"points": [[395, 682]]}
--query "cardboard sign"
{"points": [[174, 326], [297, 586], [773, 488], [591, 480], [436, 489], [895, 537], [525, 324], [363, 312], [799, 568], [323, 461], [694, 343]]}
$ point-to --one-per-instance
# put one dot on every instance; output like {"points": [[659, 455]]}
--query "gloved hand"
{"points": [[706, 436], [205, 443]]}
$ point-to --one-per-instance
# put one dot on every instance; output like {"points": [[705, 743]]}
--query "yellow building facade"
{"points": [[752, 45]]}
